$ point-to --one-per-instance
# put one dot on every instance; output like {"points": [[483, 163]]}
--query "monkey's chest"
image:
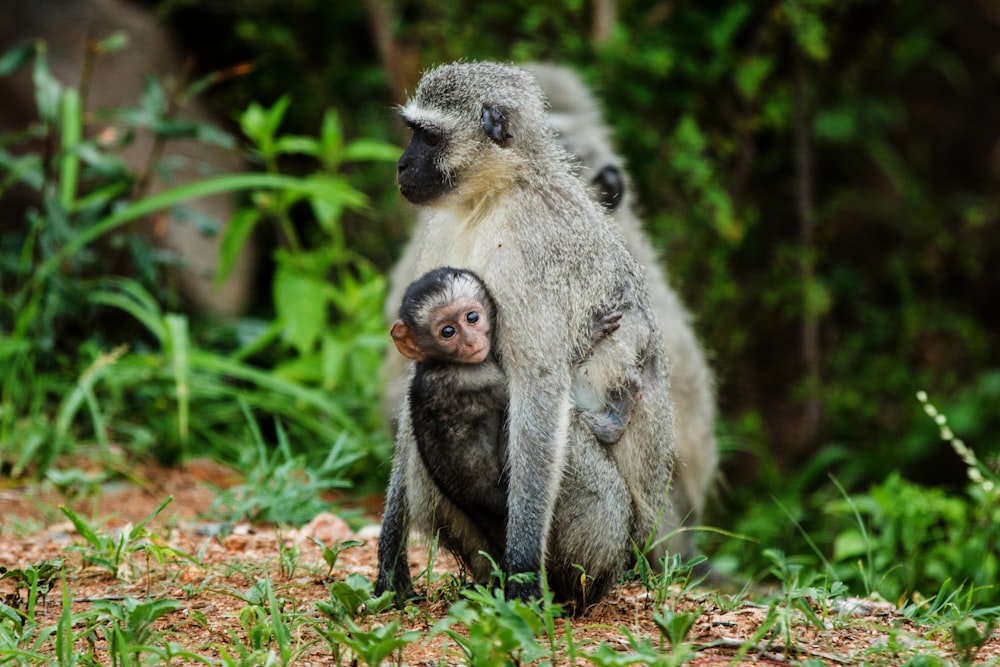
{"points": [[464, 244]]}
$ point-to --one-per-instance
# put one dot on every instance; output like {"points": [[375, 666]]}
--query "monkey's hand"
{"points": [[605, 324], [609, 426]]}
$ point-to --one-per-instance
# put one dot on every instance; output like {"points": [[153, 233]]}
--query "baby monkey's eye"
{"points": [[448, 331], [472, 317]]}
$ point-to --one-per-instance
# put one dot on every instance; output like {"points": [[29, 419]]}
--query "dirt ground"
{"points": [[32, 530]]}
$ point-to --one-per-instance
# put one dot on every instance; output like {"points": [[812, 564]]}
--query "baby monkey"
{"points": [[459, 398]]}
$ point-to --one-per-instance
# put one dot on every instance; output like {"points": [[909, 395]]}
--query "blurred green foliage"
{"points": [[94, 347]]}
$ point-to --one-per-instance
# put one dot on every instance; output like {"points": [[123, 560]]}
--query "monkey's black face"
{"points": [[417, 175], [610, 186]]}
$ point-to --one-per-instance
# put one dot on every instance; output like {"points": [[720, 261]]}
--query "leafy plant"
{"points": [[351, 597], [914, 538], [132, 620], [326, 296], [968, 638], [675, 627], [266, 622], [54, 281], [800, 590], [36, 580], [288, 557], [371, 646], [111, 551], [183, 374], [673, 577], [642, 652], [280, 487], [496, 631], [331, 554]]}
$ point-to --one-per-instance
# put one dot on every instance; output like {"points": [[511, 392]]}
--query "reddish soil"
{"points": [[32, 530]]}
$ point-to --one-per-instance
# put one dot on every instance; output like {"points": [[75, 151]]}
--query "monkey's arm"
{"points": [[539, 417], [607, 414]]}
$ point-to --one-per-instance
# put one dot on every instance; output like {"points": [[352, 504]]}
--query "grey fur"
{"points": [[575, 114], [512, 209]]}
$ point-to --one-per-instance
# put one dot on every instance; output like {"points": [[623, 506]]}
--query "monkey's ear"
{"points": [[611, 186], [402, 336], [495, 125]]}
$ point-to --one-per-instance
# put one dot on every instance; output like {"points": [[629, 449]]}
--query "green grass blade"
{"points": [[69, 161], [136, 532], [82, 527], [65, 654], [162, 200], [179, 349], [264, 380], [134, 299]]}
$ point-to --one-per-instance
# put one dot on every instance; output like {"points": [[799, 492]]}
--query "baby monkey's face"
{"points": [[461, 331]]}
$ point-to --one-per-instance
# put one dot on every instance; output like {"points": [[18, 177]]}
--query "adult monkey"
{"points": [[575, 115], [504, 201]]}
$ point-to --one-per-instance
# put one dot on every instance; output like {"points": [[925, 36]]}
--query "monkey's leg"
{"points": [[590, 544], [393, 559]]}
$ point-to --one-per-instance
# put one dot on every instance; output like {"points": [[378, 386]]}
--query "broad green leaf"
{"points": [[301, 304], [371, 149], [331, 139], [848, 545], [291, 144], [818, 299], [114, 42], [252, 122], [837, 124], [275, 115], [750, 76]]}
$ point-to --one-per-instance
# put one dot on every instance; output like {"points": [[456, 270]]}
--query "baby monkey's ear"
{"points": [[405, 341]]}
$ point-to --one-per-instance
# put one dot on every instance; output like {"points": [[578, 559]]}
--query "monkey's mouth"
{"points": [[419, 195], [477, 356]]}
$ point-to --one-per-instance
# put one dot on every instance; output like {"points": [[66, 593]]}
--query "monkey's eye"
{"points": [[472, 317], [432, 136], [448, 331]]}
